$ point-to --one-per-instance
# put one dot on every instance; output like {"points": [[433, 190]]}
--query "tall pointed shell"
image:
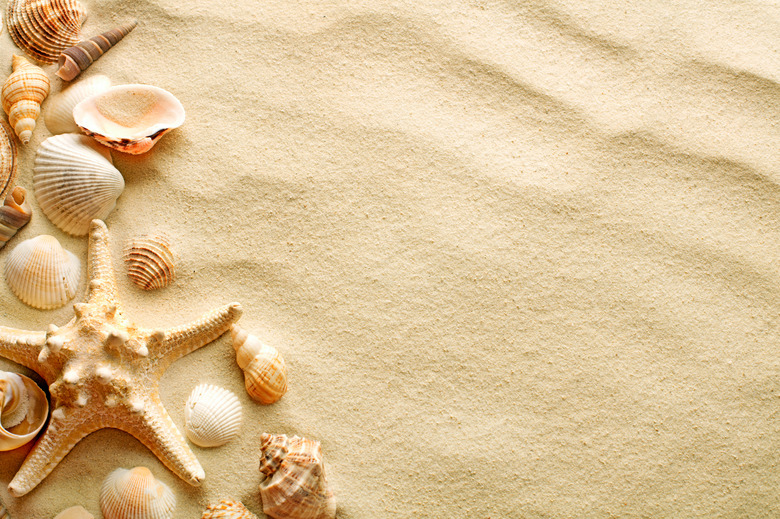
{"points": [[22, 94], [8, 163], [227, 509], [74, 512], [129, 118], [295, 485], [265, 373], [150, 261], [23, 410], [75, 182], [212, 416], [58, 113], [74, 60], [41, 273], [44, 28], [136, 494], [14, 214]]}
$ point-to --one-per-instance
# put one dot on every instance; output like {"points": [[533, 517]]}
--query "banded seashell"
{"points": [[75, 60], [75, 182], [129, 118], [265, 373], [44, 28], [212, 416], [294, 486], [23, 410], [150, 261], [14, 214], [136, 494], [74, 512], [8, 163], [42, 274], [227, 509], [58, 113], [22, 94]]}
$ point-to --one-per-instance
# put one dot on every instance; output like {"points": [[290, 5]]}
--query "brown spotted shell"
{"points": [[151, 261], [265, 372], [44, 28], [14, 214], [227, 509]]}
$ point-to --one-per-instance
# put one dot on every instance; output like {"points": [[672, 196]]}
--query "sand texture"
{"points": [[521, 257]]}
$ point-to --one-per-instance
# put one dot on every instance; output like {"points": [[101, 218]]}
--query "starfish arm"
{"points": [[102, 285], [21, 346]]}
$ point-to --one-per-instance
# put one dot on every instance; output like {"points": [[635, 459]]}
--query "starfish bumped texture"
{"points": [[103, 371]]}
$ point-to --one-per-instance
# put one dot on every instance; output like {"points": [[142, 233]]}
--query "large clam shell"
{"points": [[212, 416], [150, 261], [8, 163], [14, 214], [58, 114], [75, 182], [136, 494], [44, 28], [227, 509], [265, 372], [22, 95], [75, 60], [23, 410]]}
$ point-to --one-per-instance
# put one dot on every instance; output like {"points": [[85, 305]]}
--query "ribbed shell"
{"points": [[212, 416], [22, 94], [23, 410], [150, 261], [136, 494], [265, 372], [14, 214], [75, 182], [74, 512], [228, 509], [74, 60], [44, 28], [41, 273], [58, 113], [8, 163]]}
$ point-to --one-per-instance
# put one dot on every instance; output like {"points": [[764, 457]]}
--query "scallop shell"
{"points": [[22, 93], [265, 373], [8, 162], [14, 214], [150, 261], [295, 485], [212, 416], [23, 410], [74, 512], [75, 60], [58, 114], [228, 509], [75, 182], [44, 28], [129, 118], [136, 494]]}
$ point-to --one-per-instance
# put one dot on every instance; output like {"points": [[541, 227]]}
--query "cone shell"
{"points": [[22, 94], [129, 118], [75, 182], [74, 512], [295, 485], [44, 28], [212, 416], [228, 509], [58, 113], [14, 214], [74, 60], [265, 373], [136, 494], [42, 274], [150, 261], [23, 410], [8, 163]]}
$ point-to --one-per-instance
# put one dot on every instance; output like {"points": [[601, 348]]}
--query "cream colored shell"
{"points": [[23, 410], [74, 512], [265, 372], [58, 114], [14, 214], [8, 162], [227, 509], [136, 494], [151, 261], [44, 28], [212, 416], [22, 95]]}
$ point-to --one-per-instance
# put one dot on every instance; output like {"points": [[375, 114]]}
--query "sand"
{"points": [[521, 257]]}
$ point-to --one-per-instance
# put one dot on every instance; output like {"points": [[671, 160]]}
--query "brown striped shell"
{"points": [[150, 261], [8, 162], [227, 509], [75, 60], [14, 214], [265, 372], [44, 28], [22, 95]]}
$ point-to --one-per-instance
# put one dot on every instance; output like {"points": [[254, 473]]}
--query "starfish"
{"points": [[104, 372]]}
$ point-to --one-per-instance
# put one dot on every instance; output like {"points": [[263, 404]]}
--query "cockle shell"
{"points": [[74, 512], [227, 509], [136, 494], [23, 410], [265, 373], [14, 214], [8, 163], [42, 274], [150, 261], [75, 60], [294, 486], [129, 118], [212, 416], [22, 93], [44, 28], [58, 113], [75, 182]]}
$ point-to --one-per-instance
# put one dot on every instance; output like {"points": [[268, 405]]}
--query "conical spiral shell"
{"points": [[212, 416], [75, 182], [75, 60], [14, 214], [151, 261], [23, 410], [136, 494], [23, 92], [58, 113], [8, 163], [44, 28], [265, 373], [227, 509]]}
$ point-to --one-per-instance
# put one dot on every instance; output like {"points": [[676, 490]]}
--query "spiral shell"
{"points": [[58, 113], [8, 162], [74, 512], [42, 274], [150, 261], [228, 509], [23, 410], [212, 416], [22, 93], [75, 60], [75, 182], [14, 214], [295, 485], [44, 28], [136, 494], [265, 373]]}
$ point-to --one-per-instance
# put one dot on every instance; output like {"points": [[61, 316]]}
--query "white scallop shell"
{"points": [[42, 274], [75, 182], [212, 416], [136, 494], [59, 108], [23, 410]]}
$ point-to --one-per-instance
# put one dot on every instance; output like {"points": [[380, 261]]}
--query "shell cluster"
{"points": [[23, 410], [151, 261], [14, 214], [22, 95], [212, 416], [74, 512], [58, 114], [136, 494], [265, 373], [44, 28], [74, 60], [227, 509]]}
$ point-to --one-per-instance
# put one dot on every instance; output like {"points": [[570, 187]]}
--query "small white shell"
{"points": [[42, 274], [151, 262], [58, 114], [136, 494], [212, 416], [227, 509], [75, 182], [23, 410]]}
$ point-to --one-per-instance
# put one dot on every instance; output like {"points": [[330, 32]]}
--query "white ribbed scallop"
{"points": [[212, 416]]}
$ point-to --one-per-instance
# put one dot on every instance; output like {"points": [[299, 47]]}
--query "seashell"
{"points": [[44, 28], [23, 410], [228, 509], [59, 108], [3, 512], [265, 373], [150, 261], [136, 494], [295, 486], [212, 416], [129, 118], [75, 182], [8, 162], [74, 512], [23, 92], [75, 60], [42, 274], [14, 214]]}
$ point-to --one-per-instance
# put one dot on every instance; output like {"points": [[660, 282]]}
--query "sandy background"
{"points": [[521, 257]]}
